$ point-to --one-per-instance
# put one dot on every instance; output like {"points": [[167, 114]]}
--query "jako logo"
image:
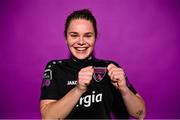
{"points": [[72, 82], [87, 100]]}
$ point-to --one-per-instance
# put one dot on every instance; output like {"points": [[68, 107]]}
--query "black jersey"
{"points": [[101, 100]]}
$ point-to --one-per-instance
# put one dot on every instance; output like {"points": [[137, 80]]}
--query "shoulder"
{"points": [[51, 68], [53, 63]]}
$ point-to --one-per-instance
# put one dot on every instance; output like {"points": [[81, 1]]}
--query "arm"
{"points": [[61, 108], [134, 103]]}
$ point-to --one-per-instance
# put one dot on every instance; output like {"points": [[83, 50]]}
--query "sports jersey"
{"points": [[101, 100]]}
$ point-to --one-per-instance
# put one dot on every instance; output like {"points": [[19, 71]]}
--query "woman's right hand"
{"points": [[84, 78]]}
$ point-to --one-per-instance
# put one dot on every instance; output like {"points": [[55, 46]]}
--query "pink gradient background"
{"points": [[141, 35]]}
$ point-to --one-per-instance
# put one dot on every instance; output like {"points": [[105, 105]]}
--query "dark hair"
{"points": [[81, 14]]}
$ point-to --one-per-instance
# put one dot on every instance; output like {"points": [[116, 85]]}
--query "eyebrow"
{"points": [[73, 33], [78, 33], [89, 33]]}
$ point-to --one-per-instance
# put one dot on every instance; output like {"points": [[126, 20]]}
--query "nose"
{"points": [[81, 40]]}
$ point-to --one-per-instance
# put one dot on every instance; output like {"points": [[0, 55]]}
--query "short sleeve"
{"points": [[49, 88]]}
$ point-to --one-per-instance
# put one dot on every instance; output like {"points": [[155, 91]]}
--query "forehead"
{"points": [[80, 25]]}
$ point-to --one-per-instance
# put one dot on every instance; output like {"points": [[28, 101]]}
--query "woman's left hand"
{"points": [[117, 76]]}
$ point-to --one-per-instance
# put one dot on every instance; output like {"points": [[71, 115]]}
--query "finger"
{"points": [[89, 68], [85, 77], [85, 82], [113, 79], [122, 71], [110, 66], [85, 73], [113, 70], [115, 84], [89, 72], [118, 71], [117, 75]]}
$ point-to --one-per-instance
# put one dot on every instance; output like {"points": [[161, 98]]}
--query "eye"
{"points": [[74, 35], [88, 35]]}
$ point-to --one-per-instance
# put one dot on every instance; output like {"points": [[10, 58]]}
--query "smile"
{"points": [[81, 48]]}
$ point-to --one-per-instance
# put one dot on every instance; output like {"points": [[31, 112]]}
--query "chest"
{"points": [[67, 78]]}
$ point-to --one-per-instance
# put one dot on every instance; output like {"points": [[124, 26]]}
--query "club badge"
{"points": [[99, 73], [47, 74], [47, 78]]}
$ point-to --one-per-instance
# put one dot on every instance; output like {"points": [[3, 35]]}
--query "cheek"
{"points": [[69, 42], [91, 42]]}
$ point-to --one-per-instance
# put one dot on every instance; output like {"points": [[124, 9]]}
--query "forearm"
{"points": [[62, 107], [134, 104]]}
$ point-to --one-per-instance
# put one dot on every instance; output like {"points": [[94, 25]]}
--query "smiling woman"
{"points": [[83, 86], [80, 38]]}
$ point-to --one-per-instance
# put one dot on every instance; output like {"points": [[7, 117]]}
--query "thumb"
{"points": [[110, 66]]}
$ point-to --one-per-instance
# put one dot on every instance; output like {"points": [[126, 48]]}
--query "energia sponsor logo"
{"points": [[87, 100]]}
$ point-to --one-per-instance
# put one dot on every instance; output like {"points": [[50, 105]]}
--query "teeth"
{"points": [[80, 49]]}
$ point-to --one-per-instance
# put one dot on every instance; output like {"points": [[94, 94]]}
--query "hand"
{"points": [[117, 76], [84, 78]]}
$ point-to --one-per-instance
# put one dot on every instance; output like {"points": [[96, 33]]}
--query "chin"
{"points": [[81, 57]]}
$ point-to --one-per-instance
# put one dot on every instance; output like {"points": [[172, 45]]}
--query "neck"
{"points": [[83, 60]]}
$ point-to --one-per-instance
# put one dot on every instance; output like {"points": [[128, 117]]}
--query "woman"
{"points": [[83, 86]]}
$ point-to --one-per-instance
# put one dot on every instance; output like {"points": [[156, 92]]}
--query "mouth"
{"points": [[81, 52], [81, 48]]}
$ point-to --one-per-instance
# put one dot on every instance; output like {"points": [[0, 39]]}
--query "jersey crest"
{"points": [[99, 73]]}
